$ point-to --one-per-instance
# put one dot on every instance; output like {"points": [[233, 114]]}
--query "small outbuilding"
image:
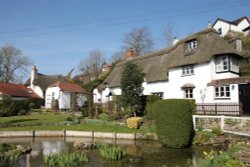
{"points": [[65, 95]]}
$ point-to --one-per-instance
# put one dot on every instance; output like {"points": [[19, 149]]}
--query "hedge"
{"points": [[174, 126], [9, 107]]}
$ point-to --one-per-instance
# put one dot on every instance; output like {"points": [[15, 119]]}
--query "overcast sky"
{"points": [[57, 34]]}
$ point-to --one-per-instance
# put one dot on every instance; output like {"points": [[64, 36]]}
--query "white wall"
{"points": [[63, 98], [226, 26], [37, 90], [203, 74]]}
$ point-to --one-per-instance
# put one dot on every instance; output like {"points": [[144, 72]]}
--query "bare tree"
{"points": [[140, 40], [117, 57], [12, 64], [92, 64], [168, 35]]}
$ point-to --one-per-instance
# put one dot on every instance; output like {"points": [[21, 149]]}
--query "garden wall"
{"points": [[91, 134], [234, 125]]}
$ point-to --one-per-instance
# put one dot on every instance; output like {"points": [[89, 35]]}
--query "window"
{"points": [[160, 94], [191, 45], [222, 64], [220, 30], [222, 91], [187, 70], [53, 95], [188, 93]]}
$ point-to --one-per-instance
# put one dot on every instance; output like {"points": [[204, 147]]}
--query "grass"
{"points": [[47, 122]]}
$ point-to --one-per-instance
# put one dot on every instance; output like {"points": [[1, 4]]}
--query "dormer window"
{"points": [[192, 45]]}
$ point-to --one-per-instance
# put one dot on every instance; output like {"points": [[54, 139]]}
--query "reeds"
{"points": [[74, 159], [111, 152]]}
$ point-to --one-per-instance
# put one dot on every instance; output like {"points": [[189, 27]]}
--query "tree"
{"points": [[131, 84], [140, 40], [168, 35], [92, 64], [12, 62]]}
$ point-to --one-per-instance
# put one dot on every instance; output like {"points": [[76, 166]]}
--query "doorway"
{"points": [[244, 96]]}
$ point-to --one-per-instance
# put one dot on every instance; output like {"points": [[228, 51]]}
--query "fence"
{"points": [[229, 109], [229, 124]]}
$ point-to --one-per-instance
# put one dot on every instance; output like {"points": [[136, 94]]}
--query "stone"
{"points": [[23, 149], [84, 145]]}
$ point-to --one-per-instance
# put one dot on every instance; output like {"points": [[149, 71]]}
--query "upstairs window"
{"points": [[222, 92], [187, 70], [192, 45], [222, 64]]}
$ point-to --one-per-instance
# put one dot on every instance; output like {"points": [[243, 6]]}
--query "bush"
{"points": [[149, 108], [9, 107], [134, 122], [104, 117], [174, 126]]}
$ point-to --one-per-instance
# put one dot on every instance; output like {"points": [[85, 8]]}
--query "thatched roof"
{"points": [[157, 64], [45, 80]]}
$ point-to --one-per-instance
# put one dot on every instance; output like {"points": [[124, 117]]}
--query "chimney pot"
{"points": [[175, 40], [209, 25]]}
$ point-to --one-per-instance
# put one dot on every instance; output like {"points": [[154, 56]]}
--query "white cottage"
{"points": [[241, 25], [192, 68], [63, 92], [39, 82]]}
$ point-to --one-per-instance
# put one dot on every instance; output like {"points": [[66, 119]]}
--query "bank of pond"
{"points": [[138, 152]]}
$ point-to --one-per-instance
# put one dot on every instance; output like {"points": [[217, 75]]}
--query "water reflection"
{"points": [[139, 153]]}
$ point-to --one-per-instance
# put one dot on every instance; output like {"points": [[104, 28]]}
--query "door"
{"points": [[244, 96]]}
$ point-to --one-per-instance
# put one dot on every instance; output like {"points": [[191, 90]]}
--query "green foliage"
{"points": [[174, 126], [104, 117], [217, 131], [9, 156], [131, 86], [223, 159], [9, 107], [111, 152], [149, 106], [203, 137], [231, 122], [246, 42], [74, 159]]}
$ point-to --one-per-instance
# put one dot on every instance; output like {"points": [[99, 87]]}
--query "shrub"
{"points": [[104, 117], [74, 159], [217, 159], [149, 106], [134, 122], [174, 126], [111, 152]]}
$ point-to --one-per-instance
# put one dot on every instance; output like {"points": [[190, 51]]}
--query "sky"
{"points": [[57, 34]]}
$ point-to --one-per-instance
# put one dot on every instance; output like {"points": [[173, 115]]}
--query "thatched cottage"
{"points": [[202, 66]]}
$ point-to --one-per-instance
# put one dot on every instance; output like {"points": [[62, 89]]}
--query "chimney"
{"points": [[129, 54], [32, 76], [209, 25], [175, 40]]}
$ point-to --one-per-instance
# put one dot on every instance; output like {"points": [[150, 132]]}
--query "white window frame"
{"points": [[188, 70], [192, 45], [222, 91], [222, 64], [188, 93]]}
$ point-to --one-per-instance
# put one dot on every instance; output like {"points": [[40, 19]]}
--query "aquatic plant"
{"points": [[111, 152], [75, 159]]}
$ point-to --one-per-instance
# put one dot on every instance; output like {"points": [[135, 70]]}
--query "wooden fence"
{"points": [[229, 109]]}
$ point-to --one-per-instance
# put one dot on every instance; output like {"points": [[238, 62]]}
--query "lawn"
{"points": [[51, 121]]}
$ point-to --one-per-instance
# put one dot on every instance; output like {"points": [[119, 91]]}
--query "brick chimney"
{"points": [[129, 54]]}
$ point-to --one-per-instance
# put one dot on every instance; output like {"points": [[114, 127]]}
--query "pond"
{"points": [[139, 153]]}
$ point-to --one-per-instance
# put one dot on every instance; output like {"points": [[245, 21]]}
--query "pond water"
{"points": [[139, 153]]}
